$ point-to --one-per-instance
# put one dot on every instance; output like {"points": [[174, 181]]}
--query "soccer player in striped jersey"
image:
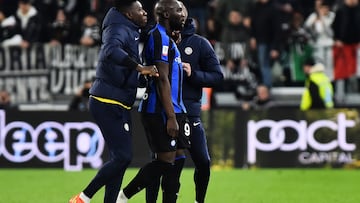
{"points": [[204, 71]]}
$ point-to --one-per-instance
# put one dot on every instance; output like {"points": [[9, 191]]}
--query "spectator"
{"points": [[48, 10], [265, 37], [80, 101], [90, 31], [9, 7], [212, 31], [246, 89], [225, 6], [346, 27], [212, 26], [100, 7], [60, 29], [318, 93], [29, 21], [9, 32], [262, 101], [239, 79], [76, 9], [299, 48], [306, 7], [319, 26], [285, 10], [5, 100], [198, 11], [235, 33]]}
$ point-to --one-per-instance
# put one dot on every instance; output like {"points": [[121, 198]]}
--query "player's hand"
{"points": [[172, 127], [148, 70], [187, 68]]}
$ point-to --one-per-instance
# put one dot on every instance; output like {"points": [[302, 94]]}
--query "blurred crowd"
{"points": [[51, 21], [276, 36]]}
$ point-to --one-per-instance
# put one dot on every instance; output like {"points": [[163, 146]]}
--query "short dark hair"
{"points": [[326, 3], [162, 6], [310, 61], [25, 1], [121, 4], [91, 13]]}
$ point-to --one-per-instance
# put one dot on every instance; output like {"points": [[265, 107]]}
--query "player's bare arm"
{"points": [[147, 70], [163, 89]]}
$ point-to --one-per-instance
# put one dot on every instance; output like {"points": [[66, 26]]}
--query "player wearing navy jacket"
{"points": [[113, 93], [205, 71]]}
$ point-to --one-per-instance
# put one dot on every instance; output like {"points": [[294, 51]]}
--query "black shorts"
{"points": [[156, 133]]}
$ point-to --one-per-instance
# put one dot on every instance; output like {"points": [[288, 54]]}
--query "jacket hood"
{"points": [[318, 67], [32, 12], [115, 17], [189, 27]]}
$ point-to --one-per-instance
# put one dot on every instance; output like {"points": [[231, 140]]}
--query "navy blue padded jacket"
{"points": [[120, 38], [206, 71]]}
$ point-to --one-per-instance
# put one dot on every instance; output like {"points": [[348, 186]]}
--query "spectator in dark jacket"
{"points": [[9, 7], [29, 21], [265, 37], [346, 27], [236, 33], [76, 9], [48, 10], [60, 30], [90, 31], [9, 32]]}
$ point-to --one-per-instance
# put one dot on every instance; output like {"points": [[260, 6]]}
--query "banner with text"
{"points": [[69, 140], [292, 138], [43, 71]]}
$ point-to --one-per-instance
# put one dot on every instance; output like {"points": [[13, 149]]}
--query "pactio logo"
{"points": [[305, 136]]}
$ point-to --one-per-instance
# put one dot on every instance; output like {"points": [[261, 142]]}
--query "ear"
{"points": [[128, 15]]}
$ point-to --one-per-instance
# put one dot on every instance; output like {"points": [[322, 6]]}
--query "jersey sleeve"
{"points": [[160, 44]]}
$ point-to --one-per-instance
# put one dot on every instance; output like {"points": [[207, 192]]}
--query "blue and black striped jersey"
{"points": [[161, 48]]}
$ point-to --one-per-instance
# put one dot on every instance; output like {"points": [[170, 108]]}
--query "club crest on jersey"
{"points": [[173, 143], [126, 127], [165, 50], [188, 50], [178, 59]]}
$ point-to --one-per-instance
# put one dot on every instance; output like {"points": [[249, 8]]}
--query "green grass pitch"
{"points": [[226, 186]]}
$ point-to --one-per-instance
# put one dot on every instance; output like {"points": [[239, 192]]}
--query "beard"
{"points": [[175, 24]]}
